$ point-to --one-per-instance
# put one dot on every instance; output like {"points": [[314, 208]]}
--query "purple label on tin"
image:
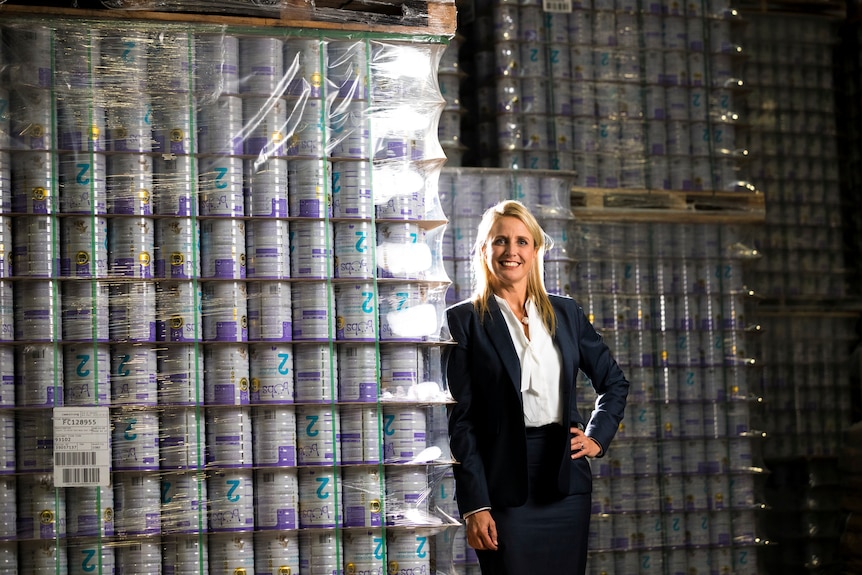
{"points": [[122, 145], [278, 208], [225, 394], [129, 205], [46, 531], [225, 268], [354, 516], [123, 266], [45, 76], [184, 208], [254, 145], [83, 271], [310, 208], [286, 519], [178, 334], [367, 392], [286, 455], [229, 331], [178, 271], [19, 204]]}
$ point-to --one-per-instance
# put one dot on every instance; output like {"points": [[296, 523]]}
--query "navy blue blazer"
{"points": [[486, 424]]}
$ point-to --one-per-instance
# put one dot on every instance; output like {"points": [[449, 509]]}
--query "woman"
{"points": [[522, 481]]}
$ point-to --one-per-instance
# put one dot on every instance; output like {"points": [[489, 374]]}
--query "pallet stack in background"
{"points": [[223, 239], [807, 318], [627, 94]]}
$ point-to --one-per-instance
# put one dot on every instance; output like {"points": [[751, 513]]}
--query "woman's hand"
{"points": [[583, 446], [482, 531]]}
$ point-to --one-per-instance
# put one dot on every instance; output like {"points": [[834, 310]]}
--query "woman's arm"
{"points": [[608, 380]]}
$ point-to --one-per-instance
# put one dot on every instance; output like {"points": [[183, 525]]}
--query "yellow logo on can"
{"points": [[177, 258], [46, 517], [374, 505], [339, 322], [39, 194], [144, 195], [239, 571], [144, 258], [36, 130], [82, 258], [255, 384], [243, 321], [350, 569], [277, 136], [177, 322], [316, 79], [283, 570], [109, 515], [393, 567], [243, 384], [95, 132], [177, 135]]}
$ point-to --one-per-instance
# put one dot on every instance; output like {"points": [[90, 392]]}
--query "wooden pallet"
{"points": [[386, 17], [601, 204], [814, 8]]}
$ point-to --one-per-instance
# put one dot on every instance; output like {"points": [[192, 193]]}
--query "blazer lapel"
{"points": [[501, 339]]}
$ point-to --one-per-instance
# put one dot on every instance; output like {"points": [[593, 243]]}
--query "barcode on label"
{"points": [[557, 5], [74, 458], [81, 475]]}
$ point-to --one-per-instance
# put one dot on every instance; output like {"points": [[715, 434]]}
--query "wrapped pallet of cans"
{"points": [[221, 286]]}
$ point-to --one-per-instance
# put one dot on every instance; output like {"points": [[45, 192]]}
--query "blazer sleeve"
{"points": [[472, 487], [607, 379]]}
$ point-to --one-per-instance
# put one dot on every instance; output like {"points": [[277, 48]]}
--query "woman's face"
{"points": [[509, 253]]}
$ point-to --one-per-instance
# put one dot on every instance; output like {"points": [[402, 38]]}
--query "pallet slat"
{"points": [[601, 204], [391, 17]]}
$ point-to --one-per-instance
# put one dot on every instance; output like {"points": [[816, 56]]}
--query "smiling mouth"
{"points": [[509, 264]]}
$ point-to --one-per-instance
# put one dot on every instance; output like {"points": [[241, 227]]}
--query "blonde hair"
{"points": [[536, 291]]}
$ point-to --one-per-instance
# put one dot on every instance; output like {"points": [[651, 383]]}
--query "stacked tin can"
{"points": [[214, 266], [627, 94], [792, 107], [450, 76], [792, 71], [680, 487]]}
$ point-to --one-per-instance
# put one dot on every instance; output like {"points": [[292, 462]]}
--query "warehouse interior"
{"points": [[229, 230]]}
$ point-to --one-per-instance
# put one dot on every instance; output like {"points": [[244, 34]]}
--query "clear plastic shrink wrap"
{"points": [[227, 244], [428, 17]]}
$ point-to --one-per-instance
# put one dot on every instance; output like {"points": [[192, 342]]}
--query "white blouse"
{"points": [[540, 366]]}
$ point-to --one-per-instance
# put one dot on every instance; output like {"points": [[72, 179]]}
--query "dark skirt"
{"points": [[548, 534]]}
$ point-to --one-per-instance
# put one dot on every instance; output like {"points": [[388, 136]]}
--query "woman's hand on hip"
{"points": [[482, 531], [583, 446]]}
